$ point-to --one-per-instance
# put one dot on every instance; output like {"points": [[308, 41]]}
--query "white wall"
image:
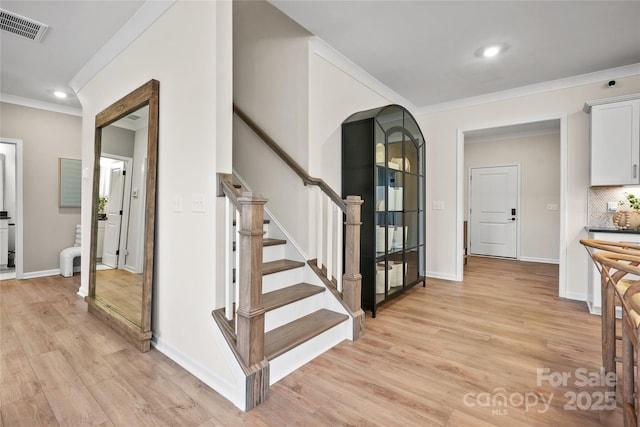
{"points": [[440, 129], [190, 56], [46, 136], [270, 84], [539, 161]]}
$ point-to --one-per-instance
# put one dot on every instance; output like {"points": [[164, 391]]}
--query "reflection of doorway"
{"points": [[13, 204], [493, 209], [114, 213], [115, 189]]}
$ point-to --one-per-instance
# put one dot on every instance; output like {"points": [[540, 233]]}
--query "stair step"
{"points": [[284, 296], [280, 265], [273, 242], [284, 338]]}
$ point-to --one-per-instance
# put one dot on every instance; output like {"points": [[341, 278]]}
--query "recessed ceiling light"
{"points": [[60, 94], [491, 51]]}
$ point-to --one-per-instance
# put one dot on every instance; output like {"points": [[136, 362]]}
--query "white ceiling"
{"points": [[423, 50], [77, 30]]}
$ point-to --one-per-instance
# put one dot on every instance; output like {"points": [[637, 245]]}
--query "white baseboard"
{"points": [[43, 273], [210, 378], [540, 260], [441, 276], [578, 296]]}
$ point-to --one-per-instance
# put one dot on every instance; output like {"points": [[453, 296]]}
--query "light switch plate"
{"points": [[612, 206], [197, 203]]}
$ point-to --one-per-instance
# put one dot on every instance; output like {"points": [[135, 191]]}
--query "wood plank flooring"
{"points": [[435, 356]]}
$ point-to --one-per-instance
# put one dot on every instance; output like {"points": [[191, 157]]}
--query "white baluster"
{"points": [[339, 250], [319, 220], [329, 238]]}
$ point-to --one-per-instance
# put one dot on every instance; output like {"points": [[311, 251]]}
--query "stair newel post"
{"points": [[352, 279], [250, 311]]}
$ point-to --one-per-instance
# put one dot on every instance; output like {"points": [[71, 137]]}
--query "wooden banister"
{"points": [[226, 188], [306, 178]]}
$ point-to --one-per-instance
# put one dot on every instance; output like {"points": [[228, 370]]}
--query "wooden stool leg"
{"points": [[628, 375], [608, 319]]}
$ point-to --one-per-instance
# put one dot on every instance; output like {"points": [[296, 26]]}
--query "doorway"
{"points": [[13, 205], [557, 207], [494, 205]]}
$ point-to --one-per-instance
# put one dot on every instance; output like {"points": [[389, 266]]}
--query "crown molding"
{"points": [[41, 105], [327, 52], [565, 83], [148, 13]]}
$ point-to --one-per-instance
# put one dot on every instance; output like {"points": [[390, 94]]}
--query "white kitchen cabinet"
{"points": [[594, 293], [615, 141]]}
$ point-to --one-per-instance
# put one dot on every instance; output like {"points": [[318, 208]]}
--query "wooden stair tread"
{"points": [[273, 242], [286, 337], [280, 265], [288, 295]]}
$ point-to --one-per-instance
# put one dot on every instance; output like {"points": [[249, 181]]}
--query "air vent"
{"points": [[21, 26], [133, 117]]}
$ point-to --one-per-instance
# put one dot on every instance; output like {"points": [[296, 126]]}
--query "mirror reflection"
{"points": [[123, 214], [121, 202]]}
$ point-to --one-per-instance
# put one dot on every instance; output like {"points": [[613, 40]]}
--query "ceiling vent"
{"points": [[133, 117], [21, 26]]}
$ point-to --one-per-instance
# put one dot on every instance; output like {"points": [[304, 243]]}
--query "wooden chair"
{"points": [[612, 289], [618, 264]]}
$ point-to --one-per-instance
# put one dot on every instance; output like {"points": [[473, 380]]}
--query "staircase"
{"points": [[302, 317], [277, 312]]}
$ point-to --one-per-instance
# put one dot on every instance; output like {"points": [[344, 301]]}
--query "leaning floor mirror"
{"points": [[123, 214]]}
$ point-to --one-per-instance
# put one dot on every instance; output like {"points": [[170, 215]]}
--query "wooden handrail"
{"points": [[306, 178], [225, 187]]}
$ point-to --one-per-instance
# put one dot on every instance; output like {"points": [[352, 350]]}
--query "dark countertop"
{"points": [[610, 230]]}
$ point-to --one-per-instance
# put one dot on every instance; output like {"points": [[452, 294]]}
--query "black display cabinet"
{"points": [[383, 161]]}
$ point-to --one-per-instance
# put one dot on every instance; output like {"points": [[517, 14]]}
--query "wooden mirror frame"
{"points": [[137, 334]]}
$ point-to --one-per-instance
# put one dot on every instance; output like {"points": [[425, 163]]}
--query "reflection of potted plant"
{"points": [[628, 215], [102, 202]]}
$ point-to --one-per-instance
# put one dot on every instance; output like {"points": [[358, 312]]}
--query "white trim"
{"points": [[227, 389], [576, 296], [441, 276], [41, 105], [19, 253], [327, 52], [42, 273], [540, 260], [568, 82], [131, 30], [562, 274]]}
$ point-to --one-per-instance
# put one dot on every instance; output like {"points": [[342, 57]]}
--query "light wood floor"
{"points": [[414, 366], [121, 290]]}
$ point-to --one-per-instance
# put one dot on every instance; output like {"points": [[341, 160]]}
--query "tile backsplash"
{"points": [[598, 198]]}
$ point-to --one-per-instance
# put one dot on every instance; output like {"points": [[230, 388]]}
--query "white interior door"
{"points": [[493, 211], [114, 215]]}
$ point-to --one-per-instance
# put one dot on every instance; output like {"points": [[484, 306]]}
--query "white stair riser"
{"points": [[288, 362], [290, 312], [272, 253], [282, 279]]}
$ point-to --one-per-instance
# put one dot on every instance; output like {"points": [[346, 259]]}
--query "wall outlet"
{"points": [[612, 206], [437, 206], [552, 207]]}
